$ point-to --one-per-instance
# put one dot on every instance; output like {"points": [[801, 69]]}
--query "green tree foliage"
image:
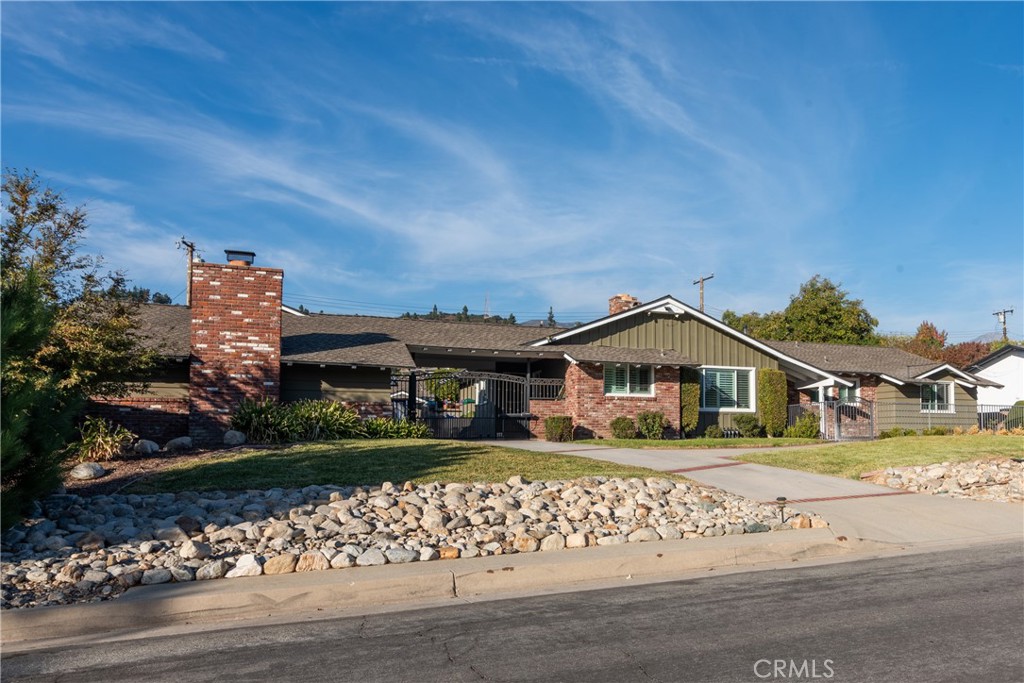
{"points": [[161, 298], [771, 400], [37, 411], [820, 312], [444, 384], [551, 317], [69, 332], [94, 344]]}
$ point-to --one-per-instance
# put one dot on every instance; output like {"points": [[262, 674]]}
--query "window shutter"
{"points": [[640, 380], [614, 380], [742, 388]]}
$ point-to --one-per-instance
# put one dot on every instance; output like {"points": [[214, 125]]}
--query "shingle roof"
{"points": [[586, 353], [346, 339], [850, 359], [165, 328]]}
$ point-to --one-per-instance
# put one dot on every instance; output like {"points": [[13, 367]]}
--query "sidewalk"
{"points": [[853, 508]]}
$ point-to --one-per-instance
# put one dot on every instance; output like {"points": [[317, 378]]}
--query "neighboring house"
{"points": [[902, 389], [1004, 366], [238, 341]]}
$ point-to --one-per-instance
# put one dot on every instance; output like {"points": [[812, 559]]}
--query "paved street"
{"points": [[946, 616]]}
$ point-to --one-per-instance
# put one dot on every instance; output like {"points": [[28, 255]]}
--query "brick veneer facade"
{"points": [[149, 417], [235, 343], [592, 411], [541, 410]]}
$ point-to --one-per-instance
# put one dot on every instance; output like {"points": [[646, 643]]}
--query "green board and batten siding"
{"points": [[900, 406], [689, 337]]}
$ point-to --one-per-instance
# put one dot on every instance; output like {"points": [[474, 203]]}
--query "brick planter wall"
{"points": [[150, 417], [592, 411], [236, 343]]}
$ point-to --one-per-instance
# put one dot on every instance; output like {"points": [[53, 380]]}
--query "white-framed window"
{"points": [[937, 398], [727, 389], [628, 380], [850, 393]]}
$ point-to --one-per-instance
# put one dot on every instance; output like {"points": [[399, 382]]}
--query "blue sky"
{"points": [[393, 156]]}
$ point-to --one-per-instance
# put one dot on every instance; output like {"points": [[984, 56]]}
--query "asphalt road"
{"points": [[946, 616]]}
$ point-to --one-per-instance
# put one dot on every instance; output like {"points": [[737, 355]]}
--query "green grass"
{"points": [[699, 443], [853, 459], [361, 462]]}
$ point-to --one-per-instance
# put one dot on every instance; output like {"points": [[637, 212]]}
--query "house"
{"points": [[888, 388], [1003, 366], [237, 340]]}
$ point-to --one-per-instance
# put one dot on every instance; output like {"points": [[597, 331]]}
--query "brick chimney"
{"points": [[235, 341], [622, 302]]}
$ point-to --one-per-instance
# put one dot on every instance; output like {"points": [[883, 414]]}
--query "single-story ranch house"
{"points": [[237, 340]]}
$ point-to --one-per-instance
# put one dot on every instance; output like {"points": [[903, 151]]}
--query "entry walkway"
{"points": [[853, 508]]}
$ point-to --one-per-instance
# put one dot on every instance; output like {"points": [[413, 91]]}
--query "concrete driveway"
{"points": [[853, 508]]}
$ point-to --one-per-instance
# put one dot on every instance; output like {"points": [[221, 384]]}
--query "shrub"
{"points": [[558, 428], [689, 400], [651, 424], [713, 432], [938, 430], [805, 427], [623, 428], [748, 426], [322, 420], [101, 440], [263, 421], [771, 400], [896, 432], [388, 428]]}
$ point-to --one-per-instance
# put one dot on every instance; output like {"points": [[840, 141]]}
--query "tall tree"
{"points": [[928, 341], [819, 312], [551, 317]]}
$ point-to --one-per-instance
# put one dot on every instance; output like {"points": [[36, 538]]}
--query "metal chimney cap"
{"points": [[240, 258]]}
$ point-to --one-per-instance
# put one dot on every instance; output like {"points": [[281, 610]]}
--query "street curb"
{"points": [[225, 600]]}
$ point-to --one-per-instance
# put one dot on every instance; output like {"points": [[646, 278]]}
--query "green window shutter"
{"points": [[742, 388], [640, 380], [615, 380]]}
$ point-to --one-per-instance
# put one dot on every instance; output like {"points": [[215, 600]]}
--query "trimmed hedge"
{"points": [[771, 400], [623, 428], [558, 428], [713, 432], [689, 400]]}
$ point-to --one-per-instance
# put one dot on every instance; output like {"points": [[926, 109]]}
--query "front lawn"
{"points": [[358, 462], [699, 443], [853, 459]]}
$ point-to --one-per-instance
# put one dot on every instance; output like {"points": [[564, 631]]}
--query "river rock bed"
{"points": [[84, 549], [996, 479]]}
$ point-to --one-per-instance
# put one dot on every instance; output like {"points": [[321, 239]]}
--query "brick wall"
{"points": [[150, 417], [540, 410], [592, 411], [236, 343]]}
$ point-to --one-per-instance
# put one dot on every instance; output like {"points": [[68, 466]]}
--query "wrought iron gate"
{"points": [[847, 419], [465, 404]]}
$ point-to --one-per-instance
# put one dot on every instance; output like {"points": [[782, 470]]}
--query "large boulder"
{"points": [[182, 443], [233, 438]]}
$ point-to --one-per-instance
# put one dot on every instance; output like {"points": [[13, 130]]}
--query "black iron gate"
{"points": [[848, 419], [464, 404]]}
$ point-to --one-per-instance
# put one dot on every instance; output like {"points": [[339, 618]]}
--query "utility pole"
{"points": [[700, 281], [190, 250], [1001, 315]]}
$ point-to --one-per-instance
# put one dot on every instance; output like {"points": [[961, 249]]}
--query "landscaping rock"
{"points": [[233, 438], [371, 558], [212, 570], [194, 550], [247, 565], [312, 561], [88, 470], [993, 479], [145, 447], [153, 576], [182, 443]]}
